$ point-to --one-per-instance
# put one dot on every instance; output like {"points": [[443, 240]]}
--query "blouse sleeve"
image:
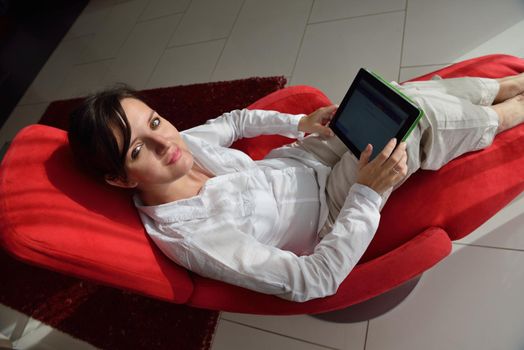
{"points": [[236, 258], [229, 127]]}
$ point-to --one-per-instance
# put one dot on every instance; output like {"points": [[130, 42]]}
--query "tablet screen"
{"points": [[382, 116], [371, 115]]}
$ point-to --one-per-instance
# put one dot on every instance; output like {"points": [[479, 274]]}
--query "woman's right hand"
{"points": [[386, 170]]}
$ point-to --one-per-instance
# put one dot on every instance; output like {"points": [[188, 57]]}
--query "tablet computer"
{"points": [[373, 111]]}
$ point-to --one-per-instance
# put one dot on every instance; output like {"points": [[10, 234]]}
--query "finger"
{"points": [[333, 111], [328, 112], [325, 119], [398, 166], [383, 156], [401, 167], [328, 132], [325, 131], [401, 149], [404, 164], [364, 156], [397, 154], [331, 108]]}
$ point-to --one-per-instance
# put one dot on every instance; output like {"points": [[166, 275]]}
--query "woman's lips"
{"points": [[176, 155]]}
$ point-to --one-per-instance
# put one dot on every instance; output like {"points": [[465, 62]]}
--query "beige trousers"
{"points": [[456, 120]]}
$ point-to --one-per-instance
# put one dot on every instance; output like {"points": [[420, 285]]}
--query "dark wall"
{"points": [[30, 31]]}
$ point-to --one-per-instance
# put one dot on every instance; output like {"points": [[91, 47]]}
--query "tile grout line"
{"points": [[178, 25], [94, 61], [352, 17], [189, 3], [403, 39], [108, 68], [143, 11], [488, 247], [279, 334], [85, 12], [366, 337], [148, 80], [227, 39], [159, 17], [427, 65], [197, 43], [109, 65], [110, 11], [302, 40]]}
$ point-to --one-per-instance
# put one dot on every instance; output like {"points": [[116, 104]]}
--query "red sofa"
{"points": [[53, 216]]}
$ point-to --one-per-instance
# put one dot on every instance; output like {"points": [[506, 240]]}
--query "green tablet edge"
{"points": [[394, 88]]}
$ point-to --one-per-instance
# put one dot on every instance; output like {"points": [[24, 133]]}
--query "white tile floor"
{"points": [[468, 301]]}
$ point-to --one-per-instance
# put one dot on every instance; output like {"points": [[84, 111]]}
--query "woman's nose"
{"points": [[162, 144]]}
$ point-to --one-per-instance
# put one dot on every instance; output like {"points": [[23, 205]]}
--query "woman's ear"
{"points": [[119, 182]]}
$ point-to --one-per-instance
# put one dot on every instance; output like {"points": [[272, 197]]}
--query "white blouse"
{"points": [[256, 223]]}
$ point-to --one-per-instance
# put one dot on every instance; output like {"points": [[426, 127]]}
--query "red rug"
{"points": [[114, 319]]}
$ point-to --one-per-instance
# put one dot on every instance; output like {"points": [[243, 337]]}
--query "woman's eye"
{"points": [[155, 123], [135, 152]]}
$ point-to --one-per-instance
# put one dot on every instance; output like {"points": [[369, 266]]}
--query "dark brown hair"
{"points": [[92, 128]]}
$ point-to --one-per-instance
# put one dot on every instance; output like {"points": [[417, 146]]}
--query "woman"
{"points": [[295, 223]]}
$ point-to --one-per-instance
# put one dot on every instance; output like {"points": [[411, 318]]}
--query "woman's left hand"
{"points": [[318, 121]]}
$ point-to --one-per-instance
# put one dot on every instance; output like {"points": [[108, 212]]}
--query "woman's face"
{"points": [[157, 153]]}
